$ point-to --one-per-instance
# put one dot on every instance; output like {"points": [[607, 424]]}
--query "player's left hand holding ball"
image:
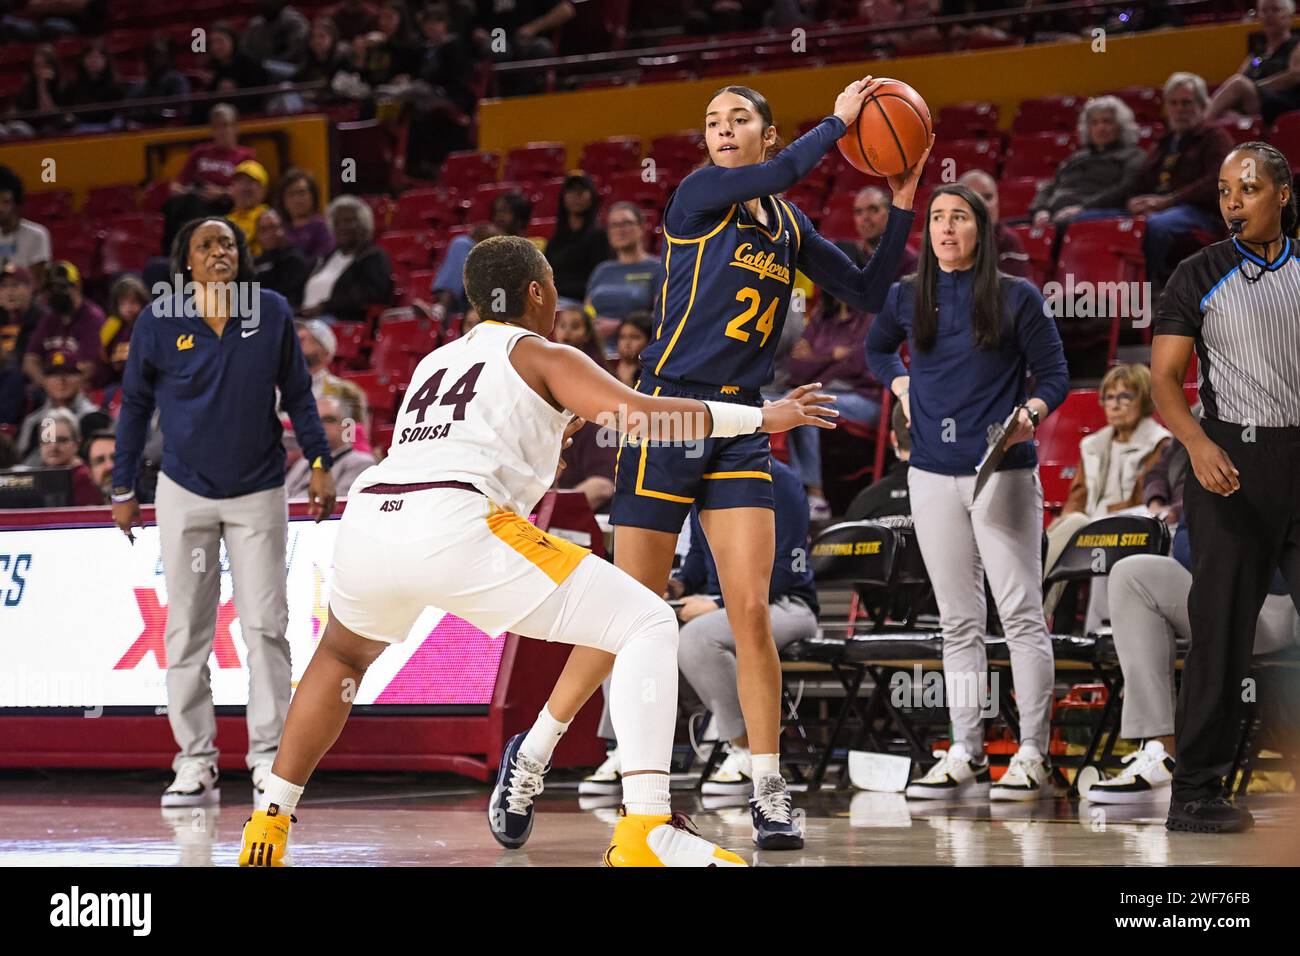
{"points": [[803, 406], [321, 495], [903, 186]]}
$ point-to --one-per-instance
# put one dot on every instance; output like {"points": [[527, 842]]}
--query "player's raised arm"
{"points": [[567, 377]]}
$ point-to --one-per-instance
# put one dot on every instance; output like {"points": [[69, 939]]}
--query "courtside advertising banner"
{"points": [[83, 615]]}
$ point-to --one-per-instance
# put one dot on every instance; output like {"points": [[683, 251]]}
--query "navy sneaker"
{"points": [[776, 825], [519, 780]]}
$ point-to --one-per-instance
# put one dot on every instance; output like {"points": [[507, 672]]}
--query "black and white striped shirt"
{"points": [[1247, 332]]}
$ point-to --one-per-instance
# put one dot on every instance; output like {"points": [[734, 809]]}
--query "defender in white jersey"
{"points": [[443, 521]]}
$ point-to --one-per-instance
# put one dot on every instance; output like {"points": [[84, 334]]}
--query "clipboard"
{"points": [[994, 454]]}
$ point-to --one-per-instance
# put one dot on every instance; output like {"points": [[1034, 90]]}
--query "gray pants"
{"points": [[255, 528], [1148, 599], [1001, 535], [706, 656]]}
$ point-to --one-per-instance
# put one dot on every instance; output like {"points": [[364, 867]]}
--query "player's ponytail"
{"points": [[762, 107]]}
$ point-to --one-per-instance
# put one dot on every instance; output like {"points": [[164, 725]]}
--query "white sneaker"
{"points": [[1149, 775], [956, 774], [734, 775], [607, 779], [1028, 777], [195, 784], [261, 771]]}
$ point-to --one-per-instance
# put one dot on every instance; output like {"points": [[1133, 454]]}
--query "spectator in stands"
{"points": [[276, 38], [1267, 83], [511, 213], [248, 193], [633, 336], [298, 202], [325, 56], [63, 389], [1110, 154], [227, 69], [281, 267], [95, 81], [1113, 463], [887, 496], [1176, 188], [98, 456], [19, 312], [22, 242], [1148, 597], [707, 649], [13, 383], [574, 326], [29, 20], [391, 54], [630, 280], [202, 187], [578, 244], [524, 25], [470, 319], [1162, 485], [161, 80], [126, 300], [41, 92], [318, 344], [357, 274], [348, 462], [353, 18], [587, 465], [443, 98], [59, 439], [1012, 257], [870, 214], [830, 351], [8, 454], [71, 325]]}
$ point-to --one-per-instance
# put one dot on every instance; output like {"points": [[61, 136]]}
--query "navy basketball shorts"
{"points": [[656, 483]]}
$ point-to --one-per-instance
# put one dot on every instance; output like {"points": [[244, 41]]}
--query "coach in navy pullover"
{"points": [[217, 398], [791, 574], [956, 390]]}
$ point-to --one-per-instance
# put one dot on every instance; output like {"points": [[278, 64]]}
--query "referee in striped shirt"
{"points": [[1237, 302]]}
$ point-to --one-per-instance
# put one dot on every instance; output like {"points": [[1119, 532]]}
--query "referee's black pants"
{"points": [[1237, 543]]}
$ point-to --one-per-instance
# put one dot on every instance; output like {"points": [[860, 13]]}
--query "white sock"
{"points": [[542, 739], [763, 764], [646, 793], [282, 793], [1031, 751]]}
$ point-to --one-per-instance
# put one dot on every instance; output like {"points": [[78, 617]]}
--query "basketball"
{"points": [[890, 133]]}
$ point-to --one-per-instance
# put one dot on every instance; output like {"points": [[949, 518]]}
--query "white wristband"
{"points": [[730, 419], [122, 499]]}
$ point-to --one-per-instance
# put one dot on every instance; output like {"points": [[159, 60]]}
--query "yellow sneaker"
{"points": [[646, 840], [266, 838]]}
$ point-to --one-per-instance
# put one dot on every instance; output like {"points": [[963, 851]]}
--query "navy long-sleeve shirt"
{"points": [[956, 390], [791, 571], [217, 398]]}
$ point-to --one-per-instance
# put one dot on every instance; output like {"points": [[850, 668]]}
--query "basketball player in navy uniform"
{"points": [[733, 245]]}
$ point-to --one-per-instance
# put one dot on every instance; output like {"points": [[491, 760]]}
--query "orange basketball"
{"points": [[890, 133]]}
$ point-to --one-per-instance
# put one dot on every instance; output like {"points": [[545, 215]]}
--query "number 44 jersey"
{"points": [[468, 416]]}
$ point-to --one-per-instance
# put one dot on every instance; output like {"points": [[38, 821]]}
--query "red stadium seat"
{"points": [[545, 195], [383, 391], [1014, 197], [541, 228], [1045, 114], [71, 240], [967, 121], [381, 207], [960, 156], [1144, 101], [103, 202], [535, 161], [1036, 154], [467, 170], [837, 223], [615, 155], [46, 207], [478, 205], [850, 179], [122, 251], [1105, 251], [1242, 129], [678, 150], [1286, 136], [408, 249], [426, 209], [1038, 242], [352, 345], [1058, 444], [418, 284], [631, 187], [154, 195], [401, 344]]}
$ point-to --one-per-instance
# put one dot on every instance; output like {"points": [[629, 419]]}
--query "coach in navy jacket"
{"points": [[974, 334], [210, 354]]}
